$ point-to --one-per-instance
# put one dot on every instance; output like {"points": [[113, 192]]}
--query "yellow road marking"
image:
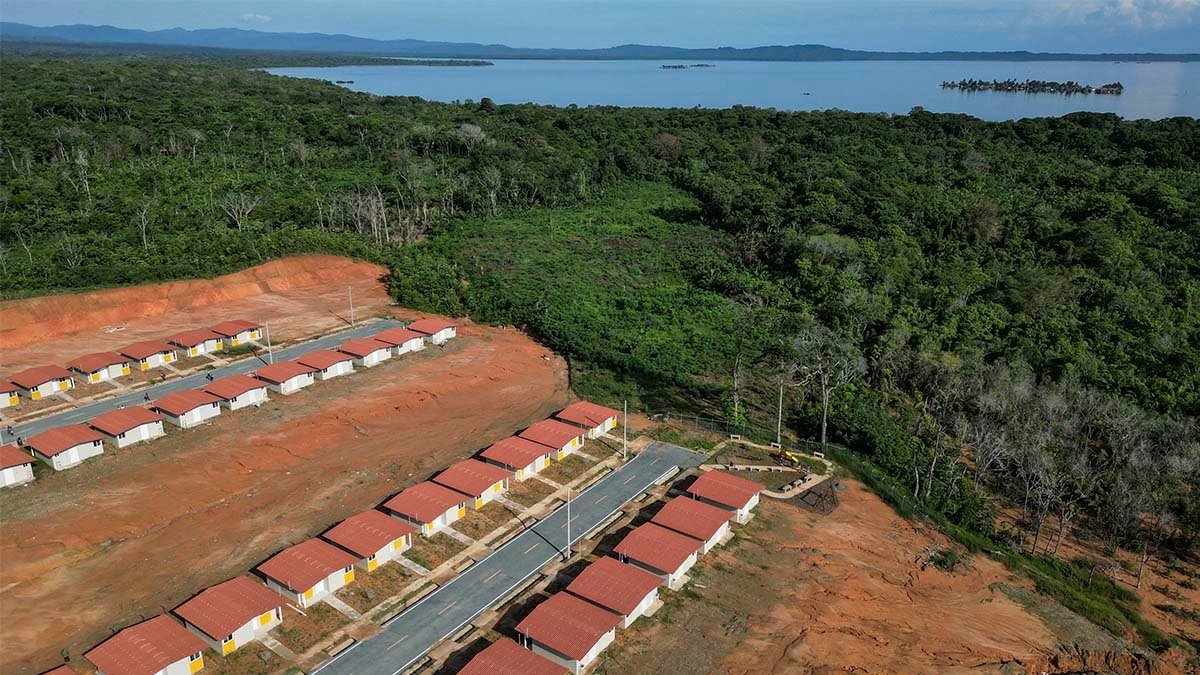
{"points": [[444, 609], [491, 576], [397, 642], [530, 549]]}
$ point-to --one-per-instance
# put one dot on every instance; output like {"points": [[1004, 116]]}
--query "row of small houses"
{"points": [[229, 615], [67, 446], [571, 628], [41, 381]]}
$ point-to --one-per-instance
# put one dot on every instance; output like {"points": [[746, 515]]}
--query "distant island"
{"points": [[685, 66], [326, 43], [1035, 87]]}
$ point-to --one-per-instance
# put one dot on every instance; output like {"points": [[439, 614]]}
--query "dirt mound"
{"points": [[95, 548], [298, 295]]}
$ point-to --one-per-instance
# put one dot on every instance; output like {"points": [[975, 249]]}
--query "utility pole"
{"points": [[779, 419], [568, 555], [625, 433], [270, 352], [350, 289]]}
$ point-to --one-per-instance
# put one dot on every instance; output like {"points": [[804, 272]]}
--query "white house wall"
{"points": [[252, 397], [249, 632], [641, 609], [9, 399], [716, 538], [337, 370], [143, 432], [74, 456], [196, 416], [16, 475], [413, 345]]}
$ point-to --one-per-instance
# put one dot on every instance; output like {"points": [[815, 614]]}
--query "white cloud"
{"points": [[251, 17], [1141, 14]]}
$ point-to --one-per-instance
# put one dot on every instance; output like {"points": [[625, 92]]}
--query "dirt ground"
{"points": [[299, 296], [801, 593], [145, 527]]}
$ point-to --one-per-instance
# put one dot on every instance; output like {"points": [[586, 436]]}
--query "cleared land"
{"points": [[143, 528]]}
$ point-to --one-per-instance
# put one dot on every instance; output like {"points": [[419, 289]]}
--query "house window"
{"points": [[195, 657], [121, 435], [347, 570], [227, 638], [214, 405]]}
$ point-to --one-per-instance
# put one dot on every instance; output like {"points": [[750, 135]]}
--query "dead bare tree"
{"points": [[828, 362], [238, 206], [143, 215]]}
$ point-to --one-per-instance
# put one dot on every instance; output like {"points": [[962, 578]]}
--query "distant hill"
{"points": [[324, 43]]}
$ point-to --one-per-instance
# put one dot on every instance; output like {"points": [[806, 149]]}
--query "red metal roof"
{"points": [[568, 625], [196, 336], [723, 488], [141, 350], [301, 566], [145, 648], [11, 456], [98, 361], [658, 547], [363, 347], [235, 327], [34, 377], [398, 336], [283, 371], [424, 502], [231, 387], [119, 421], [505, 657], [471, 476], [182, 402], [692, 517], [367, 533], [551, 433], [219, 610], [7, 387], [430, 326], [586, 414], [614, 585], [61, 439], [516, 452], [322, 358]]}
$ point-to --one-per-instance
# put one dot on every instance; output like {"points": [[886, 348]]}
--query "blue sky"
{"points": [[916, 25]]}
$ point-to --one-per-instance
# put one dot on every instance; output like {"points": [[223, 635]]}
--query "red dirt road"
{"points": [[300, 296], [141, 529]]}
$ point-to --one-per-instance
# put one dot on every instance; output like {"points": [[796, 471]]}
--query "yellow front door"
{"points": [[520, 473], [197, 665], [168, 357], [462, 511], [13, 399], [348, 577], [234, 341], [192, 351], [372, 564], [94, 377], [64, 385], [229, 647], [124, 370], [308, 594], [145, 365], [561, 454], [265, 619], [496, 487], [219, 346], [479, 502], [35, 394]]}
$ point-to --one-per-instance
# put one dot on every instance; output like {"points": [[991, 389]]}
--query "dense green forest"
{"points": [[985, 313]]}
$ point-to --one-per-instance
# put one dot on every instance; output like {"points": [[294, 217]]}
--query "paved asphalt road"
{"points": [[440, 614], [86, 412]]}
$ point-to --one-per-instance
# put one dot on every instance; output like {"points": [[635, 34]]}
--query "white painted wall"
{"points": [[441, 336], [49, 388], [252, 397], [206, 347], [9, 399], [641, 609], [294, 384], [716, 538], [73, 456], [138, 434], [17, 475], [248, 632], [745, 513], [413, 345], [491, 493], [318, 592], [195, 416], [337, 370], [242, 338], [570, 664], [374, 358]]}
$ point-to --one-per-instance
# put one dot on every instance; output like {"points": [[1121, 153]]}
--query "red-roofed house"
{"points": [[238, 332], [438, 330], [595, 419], [373, 536], [428, 505], [159, 646], [43, 381], [150, 353], [367, 352], [232, 613], [505, 657], [286, 377], [238, 391], [65, 447], [198, 341], [16, 467], [186, 409], [521, 455], [402, 340], [627, 590], [563, 438], [9, 394], [329, 364], [696, 519], [308, 571], [101, 366], [664, 552], [479, 480], [126, 426], [727, 491], [569, 631]]}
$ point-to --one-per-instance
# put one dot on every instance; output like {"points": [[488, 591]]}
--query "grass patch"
{"points": [[568, 469], [478, 523], [684, 439], [250, 659], [429, 552], [772, 480], [299, 632], [371, 588], [529, 491]]}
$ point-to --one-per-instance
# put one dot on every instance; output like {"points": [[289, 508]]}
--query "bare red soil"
{"points": [[300, 296], [139, 530]]}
